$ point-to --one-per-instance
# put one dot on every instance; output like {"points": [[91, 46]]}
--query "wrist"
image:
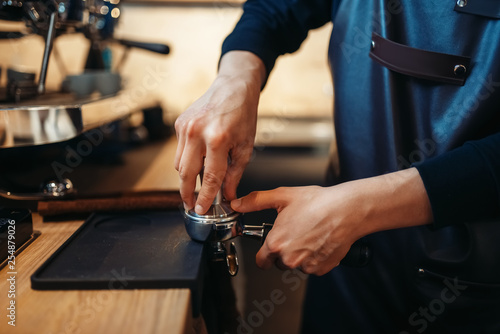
{"points": [[243, 66]]}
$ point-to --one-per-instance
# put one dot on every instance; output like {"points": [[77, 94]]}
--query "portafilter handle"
{"points": [[230, 255]]}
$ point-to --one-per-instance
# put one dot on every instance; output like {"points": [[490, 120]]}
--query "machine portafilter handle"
{"points": [[359, 255], [257, 232]]}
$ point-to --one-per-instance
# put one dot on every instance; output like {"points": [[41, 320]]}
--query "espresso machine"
{"points": [[95, 19], [34, 119]]}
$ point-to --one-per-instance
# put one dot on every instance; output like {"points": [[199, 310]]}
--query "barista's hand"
{"points": [[219, 125], [316, 226]]}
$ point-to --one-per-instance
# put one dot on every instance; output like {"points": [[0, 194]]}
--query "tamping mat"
{"points": [[126, 251]]}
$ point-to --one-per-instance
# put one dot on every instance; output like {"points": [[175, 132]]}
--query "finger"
{"points": [[239, 161], [180, 142], [280, 265], [264, 258], [215, 169], [178, 152], [259, 200], [189, 167]]}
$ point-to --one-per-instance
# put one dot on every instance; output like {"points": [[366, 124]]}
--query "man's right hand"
{"points": [[218, 131]]}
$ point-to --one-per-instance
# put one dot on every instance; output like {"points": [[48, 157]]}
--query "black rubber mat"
{"points": [[128, 251]]}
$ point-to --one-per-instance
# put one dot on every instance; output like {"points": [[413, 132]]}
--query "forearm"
{"points": [[390, 201]]}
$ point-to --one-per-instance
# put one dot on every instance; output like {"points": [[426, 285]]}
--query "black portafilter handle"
{"points": [[358, 256]]}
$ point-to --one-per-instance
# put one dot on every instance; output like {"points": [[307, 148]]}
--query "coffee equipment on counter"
{"points": [[38, 122], [16, 233], [51, 18]]}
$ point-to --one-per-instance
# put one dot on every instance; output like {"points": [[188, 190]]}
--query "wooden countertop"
{"points": [[95, 311]]}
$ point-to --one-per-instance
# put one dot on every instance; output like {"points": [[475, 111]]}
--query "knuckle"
{"points": [[253, 194], [289, 262], [273, 245], [203, 197], [280, 189], [178, 125], [185, 197], [323, 253], [212, 179], [308, 269], [309, 265], [217, 140], [281, 192], [183, 173], [177, 161], [193, 128]]}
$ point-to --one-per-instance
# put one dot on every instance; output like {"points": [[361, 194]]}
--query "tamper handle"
{"points": [[218, 198]]}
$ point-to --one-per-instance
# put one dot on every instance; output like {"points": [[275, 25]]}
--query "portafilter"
{"points": [[218, 225]]}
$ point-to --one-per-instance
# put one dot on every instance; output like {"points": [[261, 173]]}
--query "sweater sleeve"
{"points": [[270, 28], [463, 185]]}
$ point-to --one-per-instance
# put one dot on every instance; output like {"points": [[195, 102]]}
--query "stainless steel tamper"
{"points": [[218, 225]]}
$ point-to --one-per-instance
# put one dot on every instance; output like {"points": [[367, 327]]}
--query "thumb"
{"points": [[258, 200]]}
